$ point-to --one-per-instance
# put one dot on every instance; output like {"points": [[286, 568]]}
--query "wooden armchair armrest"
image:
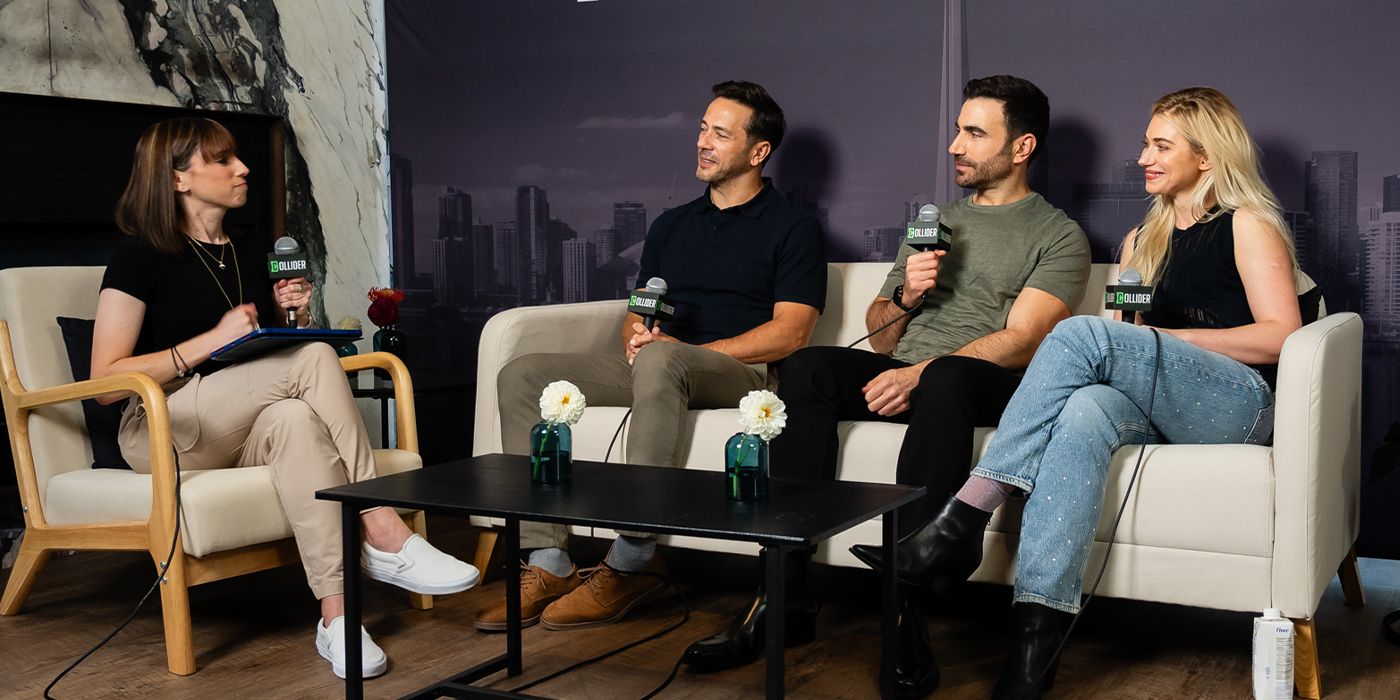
{"points": [[405, 415], [163, 480]]}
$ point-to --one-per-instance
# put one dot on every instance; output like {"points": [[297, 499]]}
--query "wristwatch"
{"points": [[898, 298]]}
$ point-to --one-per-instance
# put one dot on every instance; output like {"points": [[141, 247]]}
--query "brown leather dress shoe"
{"points": [[605, 596], [538, 588]]}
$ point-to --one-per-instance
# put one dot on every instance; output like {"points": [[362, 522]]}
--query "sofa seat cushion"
{"points": [[1184, 498], [223, 508]]}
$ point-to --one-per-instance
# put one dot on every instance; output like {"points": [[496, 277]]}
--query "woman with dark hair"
{"points": [[179, 288], [1215, 246]]}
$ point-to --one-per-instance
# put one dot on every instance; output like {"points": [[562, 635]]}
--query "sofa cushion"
{"points": [[1183, 499], [222, 509]]}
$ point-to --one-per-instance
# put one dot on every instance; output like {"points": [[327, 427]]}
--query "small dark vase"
{"points": [[390, 340], [551, 453], [746, 468]]}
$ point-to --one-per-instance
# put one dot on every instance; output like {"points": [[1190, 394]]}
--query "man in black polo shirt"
{"points": [[746, 269]]}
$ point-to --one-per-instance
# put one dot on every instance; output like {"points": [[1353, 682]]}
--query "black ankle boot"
{"points": [[743, 641], [916, 670], [1036, 633], [941, 554]]}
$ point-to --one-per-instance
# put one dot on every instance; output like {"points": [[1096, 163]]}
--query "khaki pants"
{"points": [[290, 410], [665, 381]]}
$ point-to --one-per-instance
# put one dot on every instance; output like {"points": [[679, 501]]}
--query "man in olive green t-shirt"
{"points": [[962, 324]]}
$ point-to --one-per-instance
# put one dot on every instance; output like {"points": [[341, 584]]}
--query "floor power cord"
{"points": [[160, 576], [1113, 534], [685, 603]]}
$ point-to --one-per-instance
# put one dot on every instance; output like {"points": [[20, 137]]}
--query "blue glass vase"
{"points": [[746, 468], [391, 340], [551, 453]]}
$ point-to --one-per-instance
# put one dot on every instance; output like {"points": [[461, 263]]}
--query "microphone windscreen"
{"points": [[1130, 277], [656, 285], [286, 245], [929, 213]]}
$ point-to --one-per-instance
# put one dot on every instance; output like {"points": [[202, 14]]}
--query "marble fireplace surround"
{"points": [[316, 64], [69, 159]]}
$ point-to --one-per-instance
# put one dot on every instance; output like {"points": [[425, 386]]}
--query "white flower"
{"points": [[562, 402], [763, 414]]}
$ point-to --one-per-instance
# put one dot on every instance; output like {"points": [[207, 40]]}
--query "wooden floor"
{"points": [[254, 639]]}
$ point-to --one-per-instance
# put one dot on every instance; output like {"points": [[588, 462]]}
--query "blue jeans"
{"points": [[1085, 394]]}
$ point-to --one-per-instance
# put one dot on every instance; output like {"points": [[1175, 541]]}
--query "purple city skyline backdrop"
{"points": [[598, 103], [553, 95]]}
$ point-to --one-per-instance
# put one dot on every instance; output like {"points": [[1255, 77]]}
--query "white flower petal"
{"points": [[562, 402], [763, 414]]}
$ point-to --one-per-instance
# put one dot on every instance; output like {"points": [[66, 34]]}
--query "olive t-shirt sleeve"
{"points": [[1063, 268]]}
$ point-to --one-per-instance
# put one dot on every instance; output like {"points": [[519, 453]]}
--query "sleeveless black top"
{"points": [[1201, 286]]}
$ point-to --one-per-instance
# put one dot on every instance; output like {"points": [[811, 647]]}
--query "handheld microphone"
{"points": [[1128, 296], [286, 262], [926, 233], [651, 303]]}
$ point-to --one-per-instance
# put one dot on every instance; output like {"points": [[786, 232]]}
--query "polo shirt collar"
{"points": [[752, 208]]}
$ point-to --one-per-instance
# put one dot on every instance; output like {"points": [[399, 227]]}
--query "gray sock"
{"points": [[552, 559], [631, 553], [983, 493]]}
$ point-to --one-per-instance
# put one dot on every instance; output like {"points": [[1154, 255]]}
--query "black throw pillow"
{"points": [[102, 421]]}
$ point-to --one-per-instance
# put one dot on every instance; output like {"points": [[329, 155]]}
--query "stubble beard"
{"points": [[988, 172]]}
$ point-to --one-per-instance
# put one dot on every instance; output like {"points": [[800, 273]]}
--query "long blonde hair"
{"points": [[1235, 180]]}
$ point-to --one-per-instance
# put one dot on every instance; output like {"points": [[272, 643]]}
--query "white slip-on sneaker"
{"points": [[330, 642], [419, 567]]}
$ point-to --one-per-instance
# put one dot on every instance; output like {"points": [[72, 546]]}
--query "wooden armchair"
{"points": [[231, 520]]}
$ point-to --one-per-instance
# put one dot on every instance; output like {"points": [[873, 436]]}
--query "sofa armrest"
{"points": [[1317, 459], [588, 327]]}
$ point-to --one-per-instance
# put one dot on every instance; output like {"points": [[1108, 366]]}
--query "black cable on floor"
{"points": [[685, 602], [160, 576]]}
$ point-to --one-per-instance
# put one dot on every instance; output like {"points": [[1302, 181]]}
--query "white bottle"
{"points": [[1273, 656]]}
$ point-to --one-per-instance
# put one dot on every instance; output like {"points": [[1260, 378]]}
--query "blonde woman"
{"points": [[1217, 250]]}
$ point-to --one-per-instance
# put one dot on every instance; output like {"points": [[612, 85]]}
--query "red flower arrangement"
{"points": [[384, 305]]}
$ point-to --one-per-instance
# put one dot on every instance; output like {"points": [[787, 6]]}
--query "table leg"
{"points": [[889, 611], [775, 589], [513, 654], [350, 551]]}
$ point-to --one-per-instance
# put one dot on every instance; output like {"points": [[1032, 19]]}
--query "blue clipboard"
{"points": [[263, 340]]}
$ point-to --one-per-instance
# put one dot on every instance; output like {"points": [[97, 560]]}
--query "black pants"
{"points": [[822, 385]]}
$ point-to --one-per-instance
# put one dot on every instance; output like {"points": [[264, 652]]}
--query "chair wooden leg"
{"points": [[1307, 674], [28, 562], [486, 550], [1350, 575], [175, 611], [418, 522]]}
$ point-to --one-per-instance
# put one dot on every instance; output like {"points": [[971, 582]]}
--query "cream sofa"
{"points": [[1231, 527]]}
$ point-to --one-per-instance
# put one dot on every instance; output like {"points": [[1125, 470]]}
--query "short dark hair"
{"points": [[767, 123], [1026, 108]]}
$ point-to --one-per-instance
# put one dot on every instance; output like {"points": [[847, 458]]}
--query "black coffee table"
{"points": [[798, 514]]}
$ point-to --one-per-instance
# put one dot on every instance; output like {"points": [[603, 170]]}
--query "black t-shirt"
{"points": [[724, 269], [1200, 287], [181, 296]]}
